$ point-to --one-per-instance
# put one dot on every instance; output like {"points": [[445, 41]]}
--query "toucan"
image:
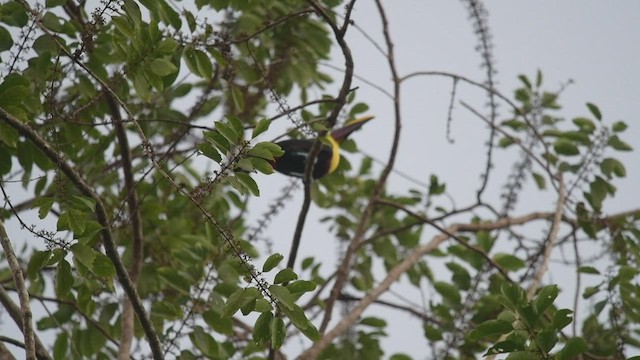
{"points": [[296, 151]]}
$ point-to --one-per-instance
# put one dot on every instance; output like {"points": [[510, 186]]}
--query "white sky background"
{"points": [[595, 43]]}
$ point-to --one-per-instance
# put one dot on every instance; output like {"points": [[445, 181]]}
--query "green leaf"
{"points": [[238, 99], [562, 318], [574, 347], [263, 305], [525, 80], [513, 293], [102, 266], [278, 332], [615, 142], [506, 142], [271, 262], [545, 298], [585, 125], [162, 67], [64, 279], [508, 261], [358, 108], [173, 278], [547, 339], [297, 317], [218, 140], [263, 151], [311, 332], [209, 151], [589, 291], [52, 22], [248, 183], [222, 325], [236, 123], [619, 126], [565, 147], [595, 111], [538, 78], [132, 10], [261, 126], [540, 180], [13, 13], [503, 347], [588, 270], [400, 357], [373, 322], [234, 303], [262, 328], [6, 42], [598, 192], [490, 328], [301, 287], [8, 135], [143, 89], [283, 296], [448, 291], [261, 165], [611, 166], [228, 132], [38, 260], [204, 342], [83, 254], [60, 346], [285, 275], [189, 56], [432, 333]]}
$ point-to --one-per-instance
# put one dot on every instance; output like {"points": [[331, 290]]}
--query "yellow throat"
{"points": [[335, 153]]}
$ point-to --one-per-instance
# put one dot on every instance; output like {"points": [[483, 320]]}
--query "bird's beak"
{"points": [[350, 126]]}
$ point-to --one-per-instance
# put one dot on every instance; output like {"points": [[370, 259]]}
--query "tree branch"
{"points": [[553, 236], [128, 315], [23, 295]]}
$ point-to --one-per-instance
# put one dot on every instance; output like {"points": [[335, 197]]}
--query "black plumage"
{"points": [[294, 160]]}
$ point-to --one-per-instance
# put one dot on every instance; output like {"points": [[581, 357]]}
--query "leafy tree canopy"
{"points": [[109, 110]]}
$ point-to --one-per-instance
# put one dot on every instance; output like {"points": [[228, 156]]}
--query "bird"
{"points": [[296, 151]]}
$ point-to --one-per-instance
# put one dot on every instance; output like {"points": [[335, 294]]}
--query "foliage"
{"points": [[108, 114]]}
